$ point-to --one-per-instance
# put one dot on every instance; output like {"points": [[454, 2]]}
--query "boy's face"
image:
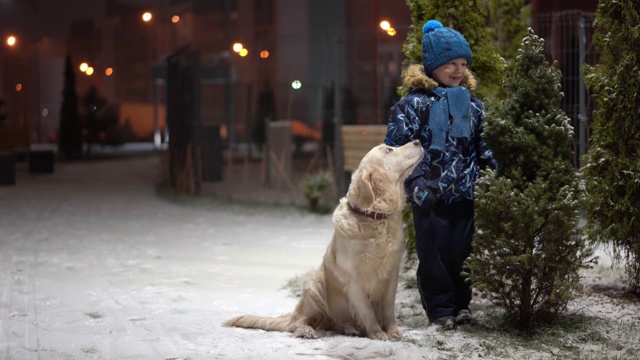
{"points": [[451, 73]]}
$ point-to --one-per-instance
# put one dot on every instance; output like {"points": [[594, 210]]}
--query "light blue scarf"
{"points": [[454, 102]]}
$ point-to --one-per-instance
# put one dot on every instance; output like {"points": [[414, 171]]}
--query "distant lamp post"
{"points": [[146, 17], [237, 47], [108, 71], [84, 66], [295, 85], [264, 54], [175, 19], [89, 71]]}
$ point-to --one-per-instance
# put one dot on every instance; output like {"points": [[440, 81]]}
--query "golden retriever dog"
{"points": [[353, 291]]}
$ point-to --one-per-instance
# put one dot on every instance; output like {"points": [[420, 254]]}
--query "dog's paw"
{"points": [[351, 330], [305, 332], [380, 335], [394, 332]]}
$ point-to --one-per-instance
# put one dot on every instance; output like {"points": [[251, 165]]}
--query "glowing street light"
{"points": [[89, 71], [237, 47], [11, 40], [264, 54], [84, 66], [243, 52], [108, 71], [175, 19], [391, 32], [146, 17], [385, 25], [296, 84]]}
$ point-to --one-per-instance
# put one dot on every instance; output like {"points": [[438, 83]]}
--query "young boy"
{"points": [[441, 112]]}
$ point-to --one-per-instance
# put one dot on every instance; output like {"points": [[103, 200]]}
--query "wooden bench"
{"points": [[357, 140]]}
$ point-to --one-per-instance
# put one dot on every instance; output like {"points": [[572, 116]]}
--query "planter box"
{"points": [[41, 161], [7, 168]]}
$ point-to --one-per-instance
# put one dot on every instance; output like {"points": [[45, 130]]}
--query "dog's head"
{"points": [[377, 183]]}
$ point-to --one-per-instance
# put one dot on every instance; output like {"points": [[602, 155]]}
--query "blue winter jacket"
{"points": [[448, 175]]}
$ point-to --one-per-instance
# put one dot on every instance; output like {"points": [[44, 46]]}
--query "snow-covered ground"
{"points": [[94, 265]]}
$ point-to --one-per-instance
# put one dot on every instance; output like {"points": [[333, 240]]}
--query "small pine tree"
{"points": [[528, 248], [612, 170], [94, 123], [3, 116], [70, 134]]}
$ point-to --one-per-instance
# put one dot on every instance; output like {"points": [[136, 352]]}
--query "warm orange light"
{"points": [[108, 71], [18, 87], [243, 52], [11, 40], [147, 16], [264, 54], [391, 32], [237, 47], [84, 66], [89, 71], [175, 19], [385, 25]]}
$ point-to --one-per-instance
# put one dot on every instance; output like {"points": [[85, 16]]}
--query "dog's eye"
{"points": [[388, 150]]}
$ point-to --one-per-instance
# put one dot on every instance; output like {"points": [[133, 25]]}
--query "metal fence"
{"points": [[568, 40]]}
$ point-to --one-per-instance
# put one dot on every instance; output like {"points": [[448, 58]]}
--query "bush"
{"points": [[314, 187]]}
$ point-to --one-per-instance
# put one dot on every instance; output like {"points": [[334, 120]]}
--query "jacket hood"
{"points": [[414, 77]]}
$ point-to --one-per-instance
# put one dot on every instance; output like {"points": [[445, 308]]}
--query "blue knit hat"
{"points": [[441, 45]]}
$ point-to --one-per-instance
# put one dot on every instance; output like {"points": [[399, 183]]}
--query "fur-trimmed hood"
{"points": [[414, 77]]}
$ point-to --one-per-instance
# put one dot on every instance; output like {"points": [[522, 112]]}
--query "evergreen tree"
{"points": [[265, 111], [508, 25], [612, 170], [3, 116], [528, 248], [467, 17], [70, 135], [94, 124]]}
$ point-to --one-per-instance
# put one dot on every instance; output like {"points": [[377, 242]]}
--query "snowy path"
{"points": [[94, 266]]}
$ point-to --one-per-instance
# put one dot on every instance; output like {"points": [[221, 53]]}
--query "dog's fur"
{"points": [[353, 292]]}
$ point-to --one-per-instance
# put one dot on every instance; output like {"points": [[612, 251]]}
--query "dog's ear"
{"points": [[371, 185]]}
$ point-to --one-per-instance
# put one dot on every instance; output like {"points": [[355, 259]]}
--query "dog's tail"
{"points": [[280, 323]]}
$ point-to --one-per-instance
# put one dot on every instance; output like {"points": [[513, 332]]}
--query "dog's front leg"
{"points": [[364, 313], [388, 308]]}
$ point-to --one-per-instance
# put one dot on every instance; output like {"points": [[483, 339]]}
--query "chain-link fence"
{"points": [[568, 40]]}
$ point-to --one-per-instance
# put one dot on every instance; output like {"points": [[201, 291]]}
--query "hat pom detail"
{"points": [[431, 25]]}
